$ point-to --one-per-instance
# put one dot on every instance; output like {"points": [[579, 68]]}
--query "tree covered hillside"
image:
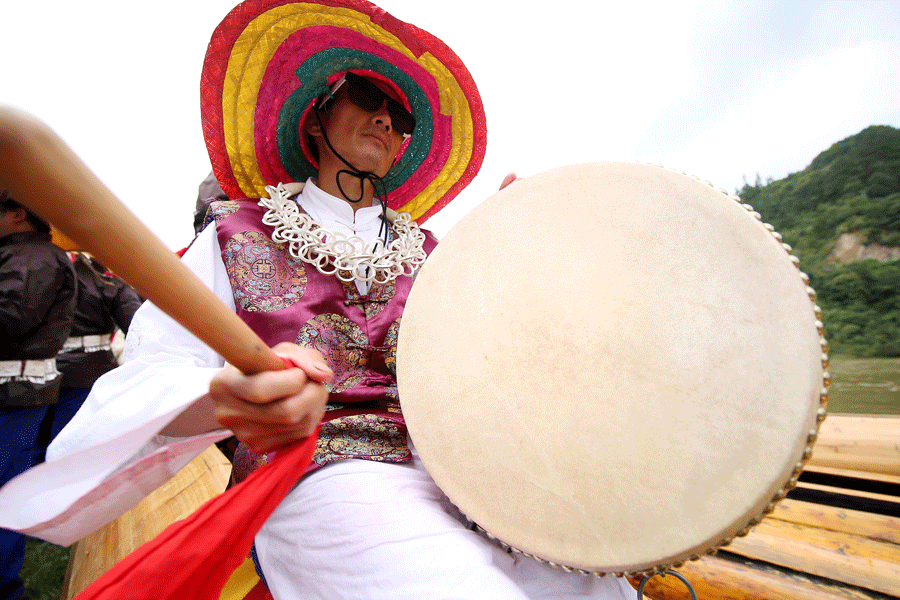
{"points": [[849, 193]]}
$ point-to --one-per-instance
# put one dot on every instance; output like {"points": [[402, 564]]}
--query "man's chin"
{"points": [[375, 163]]}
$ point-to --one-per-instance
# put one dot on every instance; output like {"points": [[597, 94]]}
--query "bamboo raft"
{"points": [[835, 537]]}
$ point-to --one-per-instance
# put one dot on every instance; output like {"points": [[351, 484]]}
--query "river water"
{"points": [[865, 386]]}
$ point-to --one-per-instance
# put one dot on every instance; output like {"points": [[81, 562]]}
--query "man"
{"points": [[355, 112], [37, 304], [104, 304]]}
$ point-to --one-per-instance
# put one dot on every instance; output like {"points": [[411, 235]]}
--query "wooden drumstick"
{"points": [[43, 173]]}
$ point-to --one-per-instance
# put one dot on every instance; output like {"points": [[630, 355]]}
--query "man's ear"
{"points": [[313, 128], [19, 215]]}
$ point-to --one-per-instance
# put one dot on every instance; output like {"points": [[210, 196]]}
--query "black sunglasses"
{"points": [[370, 97]]}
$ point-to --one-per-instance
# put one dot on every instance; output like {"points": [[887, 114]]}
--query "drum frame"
{"points": [[667, 568]]}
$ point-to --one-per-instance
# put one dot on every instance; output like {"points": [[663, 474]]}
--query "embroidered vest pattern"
{"points": [[283, 299]]}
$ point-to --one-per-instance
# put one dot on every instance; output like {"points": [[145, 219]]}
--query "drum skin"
{"points": [[612, 367]]}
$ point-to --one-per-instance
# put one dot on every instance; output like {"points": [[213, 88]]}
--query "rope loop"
{"points": [[331, 253]]}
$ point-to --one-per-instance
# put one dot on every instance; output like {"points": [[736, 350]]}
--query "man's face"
{"points": [[367, 139]]}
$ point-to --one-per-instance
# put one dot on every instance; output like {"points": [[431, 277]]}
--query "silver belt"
{"points": [[87, 342], [36, 370]]}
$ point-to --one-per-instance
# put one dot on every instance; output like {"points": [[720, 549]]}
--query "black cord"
{"points": [[378, 186]]}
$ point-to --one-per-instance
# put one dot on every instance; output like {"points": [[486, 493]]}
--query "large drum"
{"points": [[612, 367]]}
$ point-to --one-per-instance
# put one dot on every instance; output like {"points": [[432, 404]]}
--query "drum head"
{"points": [[611, 366]]}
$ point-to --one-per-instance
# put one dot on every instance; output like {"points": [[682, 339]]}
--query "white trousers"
{"points": [[362, 530]]}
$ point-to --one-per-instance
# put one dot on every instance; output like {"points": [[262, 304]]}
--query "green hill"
{"points": [[841, 214]]}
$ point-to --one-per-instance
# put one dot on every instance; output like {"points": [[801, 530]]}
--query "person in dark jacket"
{"points": [[37, 305], [104, 304]]}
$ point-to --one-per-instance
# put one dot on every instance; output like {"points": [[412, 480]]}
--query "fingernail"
{"points": [[323, 368]]}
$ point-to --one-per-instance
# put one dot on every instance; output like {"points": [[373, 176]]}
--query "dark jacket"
{"points": [[37, 305], [104, 303]]}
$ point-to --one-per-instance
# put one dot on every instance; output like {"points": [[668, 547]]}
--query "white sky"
{"points": [[724, 90]]}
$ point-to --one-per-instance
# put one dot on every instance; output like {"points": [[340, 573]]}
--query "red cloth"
{"points": [[259, 592], [193, 558]]}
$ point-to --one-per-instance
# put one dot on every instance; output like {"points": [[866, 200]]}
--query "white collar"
{"points": [[337, 214]]}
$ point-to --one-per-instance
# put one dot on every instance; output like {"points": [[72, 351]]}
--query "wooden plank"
{"points": [[201, 479], [875, 527], [859, 443], [853, 426], [835, 555], [867, 475], [850, 492], [729, 577]]}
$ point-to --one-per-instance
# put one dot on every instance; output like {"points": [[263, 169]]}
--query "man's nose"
{"points": [[382, 117]]}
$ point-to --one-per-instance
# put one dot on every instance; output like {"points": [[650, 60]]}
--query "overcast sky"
{"points": [[722, 90]]}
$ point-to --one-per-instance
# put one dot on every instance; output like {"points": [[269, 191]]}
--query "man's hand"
{"points": [[274, 408], [508, 180]]}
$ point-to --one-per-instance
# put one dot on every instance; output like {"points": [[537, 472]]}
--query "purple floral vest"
{"points": [[284, 299]]}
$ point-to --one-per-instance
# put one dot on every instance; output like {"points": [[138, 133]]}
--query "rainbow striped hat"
{"points": [[268, 60]]}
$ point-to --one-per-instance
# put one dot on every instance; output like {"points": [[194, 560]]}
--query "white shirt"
{"points": [[110, 455]]}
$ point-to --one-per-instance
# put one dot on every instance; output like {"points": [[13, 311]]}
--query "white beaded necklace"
{"points": [[333, 253]]}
